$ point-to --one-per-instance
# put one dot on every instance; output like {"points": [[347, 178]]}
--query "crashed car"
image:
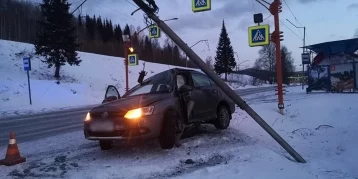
{"points": [[156, 108]]}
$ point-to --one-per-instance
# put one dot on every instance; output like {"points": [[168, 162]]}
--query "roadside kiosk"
{"points": [[335, 66]]}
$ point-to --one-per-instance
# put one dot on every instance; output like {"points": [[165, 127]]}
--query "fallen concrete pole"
{"points": [[218, 81]]}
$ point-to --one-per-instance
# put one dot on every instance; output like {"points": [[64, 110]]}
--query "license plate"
{"points": [[102, 126]]}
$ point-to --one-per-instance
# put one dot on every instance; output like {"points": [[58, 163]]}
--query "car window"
{"points": [[212, 82], [144, 89], [159, 83], [111, 91], [200, 80]]}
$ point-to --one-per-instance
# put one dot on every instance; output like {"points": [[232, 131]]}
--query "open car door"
{"points": [[111, 94]]}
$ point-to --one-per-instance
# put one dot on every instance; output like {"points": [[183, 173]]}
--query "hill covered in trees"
{"points": [[19, 22]]}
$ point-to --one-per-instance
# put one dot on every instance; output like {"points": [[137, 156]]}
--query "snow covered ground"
{"points": [[79, 86], [316, 125]]}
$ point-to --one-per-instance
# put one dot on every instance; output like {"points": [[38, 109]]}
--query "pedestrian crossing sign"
{"points": [[132, 59], [154, 32], [200, 5], [259, 35]]}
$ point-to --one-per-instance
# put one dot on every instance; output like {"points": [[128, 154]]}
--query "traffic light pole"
{"points": [[275, 9], [126, 47]]}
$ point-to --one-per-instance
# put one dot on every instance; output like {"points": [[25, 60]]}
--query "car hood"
{"points": [[122, 105]]}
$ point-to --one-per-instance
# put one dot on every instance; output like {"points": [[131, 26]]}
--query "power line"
{"points": [[267, 17], [132, 3], [78, 7], [115, 10], [299, 30], [292, 12], [253, 6], [290, 30]]}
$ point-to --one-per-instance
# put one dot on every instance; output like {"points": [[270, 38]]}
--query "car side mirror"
{"points": [[185, 88], [109, 98], [111, 94]]}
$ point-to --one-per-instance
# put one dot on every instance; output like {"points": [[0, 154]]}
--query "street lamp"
{"points": [[303, 49], [186, 58]]}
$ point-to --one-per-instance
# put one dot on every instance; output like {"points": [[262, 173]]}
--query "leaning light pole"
{"points": [[151, 11], [303, 49], [186, 57]]}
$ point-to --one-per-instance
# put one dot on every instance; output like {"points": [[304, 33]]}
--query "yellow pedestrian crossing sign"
{"points": [[259, 35], [154, 32], [200, 5], [132, 59]]}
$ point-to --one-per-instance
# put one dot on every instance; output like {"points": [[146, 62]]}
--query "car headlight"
{"points": [[88, 117], [139, 112]]}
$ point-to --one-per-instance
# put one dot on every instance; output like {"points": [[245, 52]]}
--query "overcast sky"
{"points": [[325, 20]]}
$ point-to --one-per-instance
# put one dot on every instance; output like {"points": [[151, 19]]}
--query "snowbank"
{"points": [[316, 125], [79, 85]]}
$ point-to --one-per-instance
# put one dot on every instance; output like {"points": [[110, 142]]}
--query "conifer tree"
{"points": [[56, 41], [224, 59]]}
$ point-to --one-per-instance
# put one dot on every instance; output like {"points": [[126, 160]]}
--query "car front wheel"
{"points": [[223, 117], [169, 130]]}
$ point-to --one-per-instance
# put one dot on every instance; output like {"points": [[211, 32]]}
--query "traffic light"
{"points": [[275, 7], [276, 36], [131, 50], [279, 8]]}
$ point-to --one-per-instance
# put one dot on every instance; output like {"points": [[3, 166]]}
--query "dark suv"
{"points": [[156, 108]]}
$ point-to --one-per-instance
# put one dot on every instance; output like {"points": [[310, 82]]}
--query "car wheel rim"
{"points": [[224, 117]]}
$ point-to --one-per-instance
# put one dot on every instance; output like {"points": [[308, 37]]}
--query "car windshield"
{"points": [[159, 83]]}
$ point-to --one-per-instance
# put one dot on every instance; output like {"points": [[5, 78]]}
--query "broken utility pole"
{"points": [[150, 10]]}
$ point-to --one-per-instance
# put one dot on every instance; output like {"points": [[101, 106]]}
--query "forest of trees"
{"points": [[267, 61], [19, 22]]}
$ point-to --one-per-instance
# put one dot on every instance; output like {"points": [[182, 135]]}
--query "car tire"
{"points": [[223, 117], [105, 144], [169, 130]]}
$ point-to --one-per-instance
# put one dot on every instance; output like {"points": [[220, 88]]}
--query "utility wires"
{"points": [[115, 10]]}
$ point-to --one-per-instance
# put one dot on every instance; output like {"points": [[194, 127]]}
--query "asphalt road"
{"points": [[42, 125]]}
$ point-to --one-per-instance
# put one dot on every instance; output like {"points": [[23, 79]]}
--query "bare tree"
{"points": [[267, 58], [209, 61]]}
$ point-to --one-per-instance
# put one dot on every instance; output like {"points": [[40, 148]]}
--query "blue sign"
{"points": [[132, 60], [200, 5], [154, 31], [306, 58], [259, 35], [27, 64]]}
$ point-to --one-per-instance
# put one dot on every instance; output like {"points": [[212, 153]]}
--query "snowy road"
{"points": [[323, 134], [28, 128], [54, 157]]}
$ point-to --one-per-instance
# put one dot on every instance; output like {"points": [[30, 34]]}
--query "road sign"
{"points": [[259, 35], [154, 32], [200, 5], [306, 58], [27, 64], [132, 60], [27, 68]]}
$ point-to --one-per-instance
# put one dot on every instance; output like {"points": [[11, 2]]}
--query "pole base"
{"points": [[281, 111]]}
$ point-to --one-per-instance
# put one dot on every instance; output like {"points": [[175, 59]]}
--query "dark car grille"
{"points": [[110, 114]]}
